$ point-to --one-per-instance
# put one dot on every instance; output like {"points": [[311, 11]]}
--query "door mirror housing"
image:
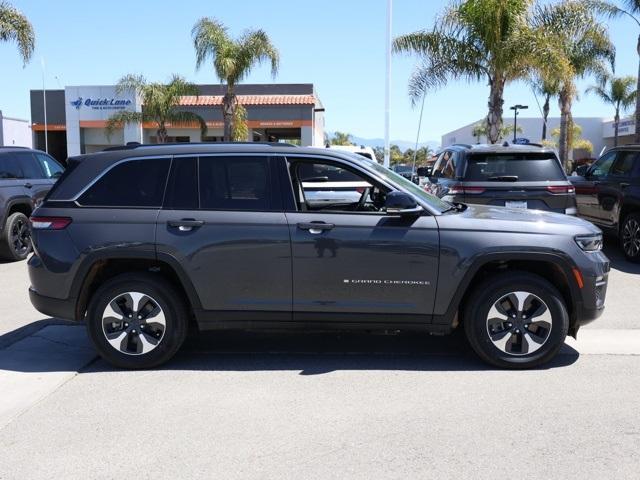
{"points": [[581, 170], [401, 203]]}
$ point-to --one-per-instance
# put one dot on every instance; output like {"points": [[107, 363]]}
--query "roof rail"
{"points": [[135, 145], [15, 146], [465, 145]]}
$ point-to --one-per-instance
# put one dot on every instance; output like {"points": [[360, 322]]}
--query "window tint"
{"points": [[134, 183], [10, 166], [446, 166], [518, 167], [235, 183], [182, 190], [602, 165], [51, 168], [30, 167], [623, 166]]}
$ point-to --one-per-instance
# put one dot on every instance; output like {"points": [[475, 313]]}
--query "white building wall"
{"points": [[15, 132], [318, 130]]}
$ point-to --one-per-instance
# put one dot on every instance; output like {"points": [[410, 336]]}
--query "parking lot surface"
{"points": [[247, 405]]}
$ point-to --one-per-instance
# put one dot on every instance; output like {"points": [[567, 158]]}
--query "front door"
{"points": [[589, 191], [612, 187], [229, 234], [352, 259]]}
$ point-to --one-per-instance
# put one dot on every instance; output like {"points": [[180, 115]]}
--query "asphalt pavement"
{"points": [[248, 405]]}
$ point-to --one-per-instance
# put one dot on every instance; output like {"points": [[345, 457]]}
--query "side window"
{"points": [[623, 166], [441, 163], [602, 165], [133, 183], [29, 165], [182, 189], [51, 168], [9, 167], [449, 169], [321, 186], [235, 183]]}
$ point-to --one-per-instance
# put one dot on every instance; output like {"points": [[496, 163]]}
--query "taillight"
{"points": [[458, 189], [561, 189], [50, 223]]}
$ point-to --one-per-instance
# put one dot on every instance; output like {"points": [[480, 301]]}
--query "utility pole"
{"points": [[387, 90], [44, 100]]}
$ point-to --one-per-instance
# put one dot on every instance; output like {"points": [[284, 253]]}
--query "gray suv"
{"points": [[143, 241], [25, 178]]}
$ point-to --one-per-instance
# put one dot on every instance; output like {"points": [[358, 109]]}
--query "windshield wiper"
{"points": [[503, 178]]}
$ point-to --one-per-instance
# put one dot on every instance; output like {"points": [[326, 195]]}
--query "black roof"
{"points": [[498, 147], [13, 148]]}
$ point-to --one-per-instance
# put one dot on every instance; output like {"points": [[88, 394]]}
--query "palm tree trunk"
{"points": [[637, 139], [616, 124], [496, 101], [545, 116], [229, 104], [162, 133], [564, 101]]}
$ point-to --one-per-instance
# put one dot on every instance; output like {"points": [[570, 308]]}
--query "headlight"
{"points": [[590, 243]]}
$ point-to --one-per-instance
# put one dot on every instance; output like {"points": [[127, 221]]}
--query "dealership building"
{"points": [[76, 117], [599, 131]]}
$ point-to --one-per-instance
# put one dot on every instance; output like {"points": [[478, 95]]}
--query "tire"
{"points": [[630, 237], [526, 342], [15, 243], [117, 331]]}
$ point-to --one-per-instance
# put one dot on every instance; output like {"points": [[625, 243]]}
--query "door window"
{"points": [[602, 166], [134, 183], [10, 167], [29, 165], [324, 186], [623, 166], [51, 168], [182, 190], [235, 183]]}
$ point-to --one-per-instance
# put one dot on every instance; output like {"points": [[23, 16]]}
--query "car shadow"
{"points": [[307, 353], [616, 256]]}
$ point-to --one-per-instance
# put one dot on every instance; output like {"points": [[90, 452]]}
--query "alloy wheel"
{"points": [[133, 323], [20, 237], [519, 323], [631, 238]]}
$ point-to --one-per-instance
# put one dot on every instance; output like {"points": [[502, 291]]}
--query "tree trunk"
{"points": [[545, 116], [616, 125], [229, 104], [496, 101], [162, 133], [637, 139], [564, 102]]}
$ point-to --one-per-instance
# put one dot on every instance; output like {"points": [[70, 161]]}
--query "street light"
{"points": [[515, 109]]}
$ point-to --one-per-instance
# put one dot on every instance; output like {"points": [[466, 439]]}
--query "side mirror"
{"points": [[582, 170], [423, 171], [401, 203]]}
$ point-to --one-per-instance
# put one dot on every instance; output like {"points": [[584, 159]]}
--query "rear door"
{"points": [[611, 189], [532, 180], [222, 221], [588, 191]]}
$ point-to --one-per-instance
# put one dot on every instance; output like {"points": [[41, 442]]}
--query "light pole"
{"points": [[515, 109], [387, 85]]}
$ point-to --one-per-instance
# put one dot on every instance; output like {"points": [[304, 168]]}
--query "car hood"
{"points": [[502, 219]]}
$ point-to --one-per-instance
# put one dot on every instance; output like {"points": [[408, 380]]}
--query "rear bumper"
{"points": [[53, 307]]}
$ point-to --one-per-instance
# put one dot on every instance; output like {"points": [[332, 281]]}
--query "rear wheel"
{"points": [[15, 243], [137, 321], [516, 320], [630, 237]]}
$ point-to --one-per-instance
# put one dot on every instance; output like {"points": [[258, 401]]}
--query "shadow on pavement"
{"points": [[618, 261]]}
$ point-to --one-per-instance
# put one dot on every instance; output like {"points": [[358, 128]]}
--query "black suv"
{"points": [[514, 176], [608, 194], [25, 178], [142, 241]]}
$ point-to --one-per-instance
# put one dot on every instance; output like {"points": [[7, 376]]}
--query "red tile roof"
{"points": [[213, 100]]}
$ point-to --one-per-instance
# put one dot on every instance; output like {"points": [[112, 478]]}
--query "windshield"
{"points": [[433, 201], [515, 167]]}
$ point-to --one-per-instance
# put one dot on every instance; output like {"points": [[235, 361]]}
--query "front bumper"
{"points": [[53, 307]]}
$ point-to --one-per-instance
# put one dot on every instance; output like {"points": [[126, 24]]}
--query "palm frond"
{"points": [[182, 117], [15, 27], [210, 39], [125, 117]]}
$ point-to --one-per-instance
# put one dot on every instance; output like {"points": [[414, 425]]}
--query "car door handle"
{"points": [[316, 227], [28, 185], [186, 224]]}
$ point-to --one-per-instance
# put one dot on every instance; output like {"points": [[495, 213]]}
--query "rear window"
{"points": [[520, 167], [134, 183]]}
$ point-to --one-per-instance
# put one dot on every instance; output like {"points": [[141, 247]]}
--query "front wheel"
{"points": [[630, 237], [516, 320], [137, 320]]}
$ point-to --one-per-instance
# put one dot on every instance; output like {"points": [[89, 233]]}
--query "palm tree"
{"points": [[478, 40], [15, 27], [159, 104], [480, 130], [548, 88], [232, 59], [617, 92], [571, 25], [341, 138]]}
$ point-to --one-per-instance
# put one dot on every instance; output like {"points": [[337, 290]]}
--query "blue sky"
{"points": [[337, 45]]}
